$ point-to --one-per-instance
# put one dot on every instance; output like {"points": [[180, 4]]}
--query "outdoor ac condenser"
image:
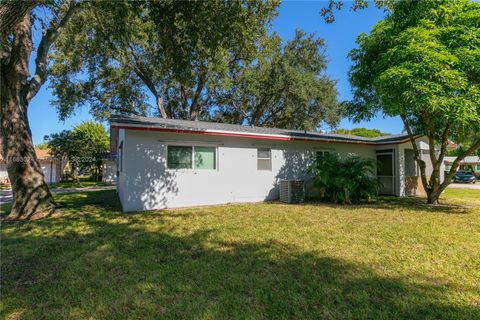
{"points": [[292, 191]]}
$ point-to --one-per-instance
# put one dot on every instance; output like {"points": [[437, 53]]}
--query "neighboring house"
{"points": [[175, 163], [470, 163], [52, 167]]}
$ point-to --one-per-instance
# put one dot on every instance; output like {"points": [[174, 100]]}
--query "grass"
{"points": [[82, 183], [396, 259]]}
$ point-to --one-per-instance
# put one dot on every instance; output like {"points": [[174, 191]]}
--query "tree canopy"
{"points": [[120, 56], [84, 147], [422, 63], [362, 132], [117, 55], [285, 87]]}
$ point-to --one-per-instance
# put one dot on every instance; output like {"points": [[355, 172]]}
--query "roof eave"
{"points": [[211, 132]]}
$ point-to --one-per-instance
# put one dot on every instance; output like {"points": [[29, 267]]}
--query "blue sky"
{"points": [[339, 37]]}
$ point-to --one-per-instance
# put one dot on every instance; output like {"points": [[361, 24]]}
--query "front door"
{"points": [[386, 171]]}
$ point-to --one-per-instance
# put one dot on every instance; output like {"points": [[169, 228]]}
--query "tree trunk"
{"points": [[31, 194], [11, 12], [160, 106], [432, 196]]}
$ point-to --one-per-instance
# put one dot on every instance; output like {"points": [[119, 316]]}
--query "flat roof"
{"points": [[236, 130]]}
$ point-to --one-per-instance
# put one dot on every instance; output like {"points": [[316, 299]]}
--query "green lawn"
{"points": [[395, 259], [82, 183]]}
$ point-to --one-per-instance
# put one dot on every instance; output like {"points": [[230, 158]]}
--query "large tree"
{"points": [[17, 88], [286, 86], [118, 56], [422, 63]]}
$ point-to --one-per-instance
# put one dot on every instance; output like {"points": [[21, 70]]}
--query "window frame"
{"points": [[323, 151], [192, 146], [269, 158], [183, 146]]}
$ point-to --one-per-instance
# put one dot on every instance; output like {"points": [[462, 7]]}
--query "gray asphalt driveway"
{"points": [[6, 195]]}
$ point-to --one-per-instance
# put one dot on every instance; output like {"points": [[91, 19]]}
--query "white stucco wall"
{"points": [[49, 171], [145, 183], [46, 168]]}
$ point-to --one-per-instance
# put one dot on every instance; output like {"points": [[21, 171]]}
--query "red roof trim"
{"points": [[251, 136]]}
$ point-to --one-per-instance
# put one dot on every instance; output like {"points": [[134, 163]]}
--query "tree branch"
{"points": [[443, 148], [420, 162], [142, 74], [48, 39], [456, 163], [183, 98], [430, 136], [194, 112]]}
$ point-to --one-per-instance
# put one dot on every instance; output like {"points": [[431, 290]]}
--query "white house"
{"points": [[52, 167], [175, 163]]}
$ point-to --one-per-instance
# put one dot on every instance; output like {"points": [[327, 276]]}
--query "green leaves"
{"points": [[362, 132], [422, 61], [85, 146], [118, 55], [286, 87], [345, 181]]}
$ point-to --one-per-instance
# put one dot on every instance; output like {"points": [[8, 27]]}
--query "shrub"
{"points": [[348, 180]]}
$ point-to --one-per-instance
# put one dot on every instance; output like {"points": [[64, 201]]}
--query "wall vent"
{"points": [[292, 191]]}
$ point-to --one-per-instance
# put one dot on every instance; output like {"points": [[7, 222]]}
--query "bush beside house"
{"points": [[348, 180]]}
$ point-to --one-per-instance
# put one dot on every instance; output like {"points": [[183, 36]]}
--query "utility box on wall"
{"points": [[292, 191]]}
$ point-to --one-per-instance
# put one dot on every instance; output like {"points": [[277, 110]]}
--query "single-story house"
{"points": [[166, 163], [52, 167], [470, 163]]}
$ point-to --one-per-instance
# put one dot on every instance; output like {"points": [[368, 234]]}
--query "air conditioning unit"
{"points": [[292, 191]]}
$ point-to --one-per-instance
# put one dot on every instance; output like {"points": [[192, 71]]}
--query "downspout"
{"points": [[51, 171]]}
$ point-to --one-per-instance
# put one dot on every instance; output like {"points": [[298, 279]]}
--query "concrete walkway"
{"points": [[475, 186], [6, 195]]}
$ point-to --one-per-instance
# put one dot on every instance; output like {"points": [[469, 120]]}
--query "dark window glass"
{"points": [[179, 157]]}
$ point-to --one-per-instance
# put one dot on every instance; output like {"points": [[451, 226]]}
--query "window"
{"points": [[205, 158], [478, 167], [264, 161], [179, 157], [191, 157], [320, 154]]}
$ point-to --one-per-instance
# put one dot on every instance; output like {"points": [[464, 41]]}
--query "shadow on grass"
{"points": [[97, 262], [404, 203]]}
